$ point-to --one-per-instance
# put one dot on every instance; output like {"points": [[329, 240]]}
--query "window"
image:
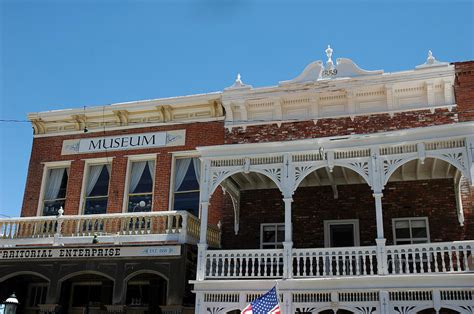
{"points": [[272, 236], [140, 188], [36, 295], [55, 190], [410, 230], [138, 294], [97, 189], [341, 233], [186, 185]]}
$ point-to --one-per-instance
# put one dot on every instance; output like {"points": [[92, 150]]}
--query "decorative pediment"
{"points": [[316, 70]]}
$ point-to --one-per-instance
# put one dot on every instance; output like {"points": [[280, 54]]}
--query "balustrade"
{"points": [[342, 262], [165, 225]]}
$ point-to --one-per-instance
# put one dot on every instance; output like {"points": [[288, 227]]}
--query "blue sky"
{"points": [[67, 54]]}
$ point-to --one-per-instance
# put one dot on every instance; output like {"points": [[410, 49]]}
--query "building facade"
{"points": [[351, 190]]}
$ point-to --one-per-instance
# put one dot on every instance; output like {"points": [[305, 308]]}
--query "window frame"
{"points": [[87, 164], [425, 218], [136, 158], [42, 285], [329, 223], [276, 225], [46, 167], [181, 155]]}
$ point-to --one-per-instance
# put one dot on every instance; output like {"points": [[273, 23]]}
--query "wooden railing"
{"points": [[244, 264], [443, 257], [349, 261], [177, 226]]}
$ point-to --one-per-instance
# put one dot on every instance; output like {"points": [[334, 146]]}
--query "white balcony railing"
{"points": [[443, 257], [169, 226]]}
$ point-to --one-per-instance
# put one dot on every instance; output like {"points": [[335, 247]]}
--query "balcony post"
{"points": [[378, 214], [59, 220], [202, 245], [183, 235], [288, 244]]}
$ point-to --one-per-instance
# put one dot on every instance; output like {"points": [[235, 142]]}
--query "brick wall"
{"points": [[434, 199], [464, 90], [340, 126], [47, 149]]}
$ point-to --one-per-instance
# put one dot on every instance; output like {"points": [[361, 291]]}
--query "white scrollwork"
{"points": [[215, 310], [389, 165], [363, 167], [365, 310], [467, 309], [306, 310], [274, 173], [404, 309], [301, 171], [217, 176], [456, 159]]}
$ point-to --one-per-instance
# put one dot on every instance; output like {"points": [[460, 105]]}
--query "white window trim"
{"points": [[87, 164], [394, 220], [329, 223], [178, 155], [47, 166], [276, 225], [130, 160]]}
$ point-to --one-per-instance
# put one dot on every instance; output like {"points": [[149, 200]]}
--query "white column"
{"points": [[378, 214], [288, 244], [202, 245]]}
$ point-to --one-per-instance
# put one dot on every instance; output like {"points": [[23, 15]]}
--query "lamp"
{"points": [[11, 304]]}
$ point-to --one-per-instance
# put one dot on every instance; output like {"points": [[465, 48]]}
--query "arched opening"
{"points": [[251, 203], [336, 312], [423, 202], [146, 293], [333, 209], [234, 312], [86, 293], [30, 289]]}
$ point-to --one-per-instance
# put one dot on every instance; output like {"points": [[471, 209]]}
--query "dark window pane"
{"points": [[419, 232], [138, 294], [402, 233], [87, 295], [51, 207], [187, 201], [135, 203], [145, 185], [189, 183], [269, 234], [102, 185], [342, 235], [95, 206]]}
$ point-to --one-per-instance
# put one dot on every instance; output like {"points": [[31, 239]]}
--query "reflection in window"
{"points": [[272, 236], [410, 230], [186, 185], [55, 192], [97, 189], [140, 191]]}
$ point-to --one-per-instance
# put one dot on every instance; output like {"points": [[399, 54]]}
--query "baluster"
{"points": [[264, 259], [317, 264], [248, 262], [311, 266], [458, 263], [413, 261], [336, 256], [465, 263], [240, 266], [272, 261], [328, 259], [298, 264], [304, 264], [371, 268], [443, 263], [343, 261]]}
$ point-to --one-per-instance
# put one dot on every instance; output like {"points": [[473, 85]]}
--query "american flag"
{"points": [[266, 304]]}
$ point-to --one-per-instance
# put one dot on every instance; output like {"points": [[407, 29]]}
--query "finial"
{"points": [[60, 211], [238, 80], [329, 63], [430, 59]]}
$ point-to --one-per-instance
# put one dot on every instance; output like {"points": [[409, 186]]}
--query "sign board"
{"points": [[123, 142], [89, 252]]}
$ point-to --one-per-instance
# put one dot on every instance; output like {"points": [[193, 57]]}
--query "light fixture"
{"points": [[11, 304]]}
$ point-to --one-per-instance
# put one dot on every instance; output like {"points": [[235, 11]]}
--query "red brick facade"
{"points": [[464, 90], [434, 199], [47, 149]]}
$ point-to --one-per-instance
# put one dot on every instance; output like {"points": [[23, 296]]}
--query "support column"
{"points": [[202, 245], [288, 244], [378, 214]]}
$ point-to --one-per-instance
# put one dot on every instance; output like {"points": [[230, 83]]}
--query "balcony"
{"points": [[161, 226], [442, 257]]}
